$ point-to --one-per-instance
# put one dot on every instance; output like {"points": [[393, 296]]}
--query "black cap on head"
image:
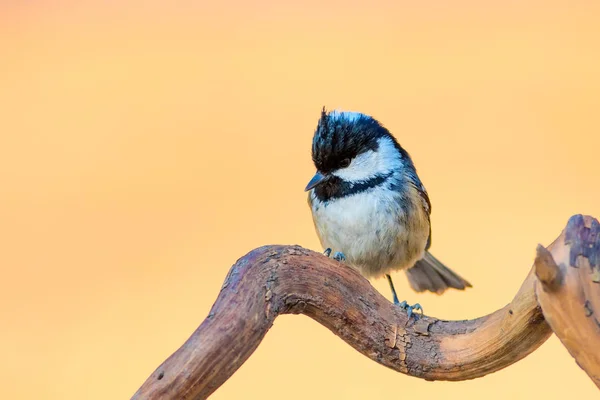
{"points": [[343, 135]]}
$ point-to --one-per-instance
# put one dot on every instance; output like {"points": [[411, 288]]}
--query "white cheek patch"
{"points": [[361, 168], [372, 163]]}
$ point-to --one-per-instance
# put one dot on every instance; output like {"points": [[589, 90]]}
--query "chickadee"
{"points": [[370, 207]]}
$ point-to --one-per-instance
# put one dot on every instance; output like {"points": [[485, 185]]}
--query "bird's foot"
{"points": [[410, 310], [337, 256]]}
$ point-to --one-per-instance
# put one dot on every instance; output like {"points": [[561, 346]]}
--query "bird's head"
{"points": [[351, 149]]}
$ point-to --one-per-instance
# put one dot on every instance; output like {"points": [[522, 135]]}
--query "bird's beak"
{"points": [[315, 181]]}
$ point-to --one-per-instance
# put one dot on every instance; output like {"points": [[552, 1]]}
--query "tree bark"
{"points": [[274, 280], [569, 292]]}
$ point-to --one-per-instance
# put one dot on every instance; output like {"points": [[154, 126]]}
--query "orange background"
{"points": [[145, 147]]}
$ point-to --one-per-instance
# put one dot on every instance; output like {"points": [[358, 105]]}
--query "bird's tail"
{"points": [[430, 274]]}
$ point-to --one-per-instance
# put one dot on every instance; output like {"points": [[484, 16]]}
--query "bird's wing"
{"points": [[424, 196], [420, 189]]}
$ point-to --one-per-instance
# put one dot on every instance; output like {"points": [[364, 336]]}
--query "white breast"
{"points": [[366, 227]]}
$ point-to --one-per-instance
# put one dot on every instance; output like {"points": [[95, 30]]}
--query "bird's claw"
{"points": [[410, 310], [339, 256]]}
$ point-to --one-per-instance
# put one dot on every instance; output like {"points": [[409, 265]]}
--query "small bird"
{"points": [[370, 207]]}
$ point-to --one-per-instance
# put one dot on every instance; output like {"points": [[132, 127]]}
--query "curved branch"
{"points": [[274, 280], [570, 292]]}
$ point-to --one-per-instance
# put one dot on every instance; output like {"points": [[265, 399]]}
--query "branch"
{"points": [[570, 292], [274, 280]]}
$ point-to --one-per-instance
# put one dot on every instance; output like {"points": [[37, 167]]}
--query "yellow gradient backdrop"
{"points": [[145, 147]]}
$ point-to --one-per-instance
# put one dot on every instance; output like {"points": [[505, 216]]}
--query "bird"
{"points": [[370, 207]]}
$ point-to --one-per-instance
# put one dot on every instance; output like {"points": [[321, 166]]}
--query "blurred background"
{"points": [[145, 146]]}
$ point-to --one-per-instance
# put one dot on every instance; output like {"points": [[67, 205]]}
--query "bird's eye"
{"points": [[345, 162]]}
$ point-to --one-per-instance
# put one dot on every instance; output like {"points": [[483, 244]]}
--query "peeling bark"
{"points": [[572, 304]]}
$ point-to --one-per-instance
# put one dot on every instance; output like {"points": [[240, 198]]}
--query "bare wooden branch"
{"points": [[275, 280], [572, 305]]}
